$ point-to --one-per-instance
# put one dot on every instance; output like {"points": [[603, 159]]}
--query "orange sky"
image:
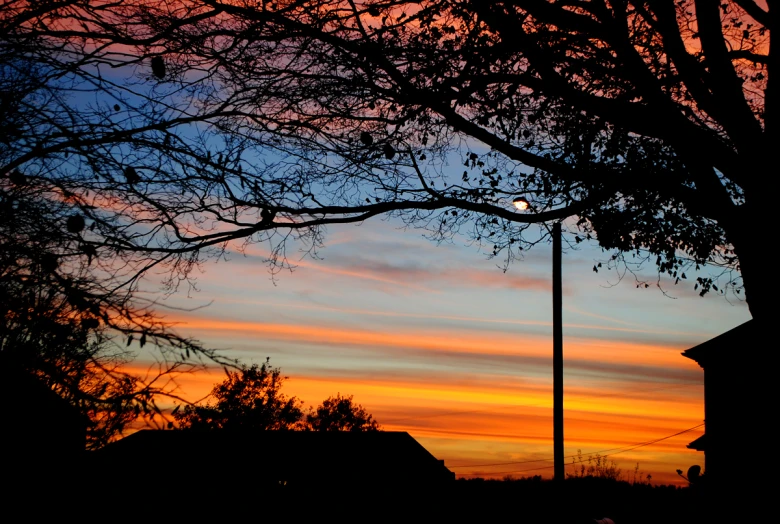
{"points": [[436, 341], [440, 342]]}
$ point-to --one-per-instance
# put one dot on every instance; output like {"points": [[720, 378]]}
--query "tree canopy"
{"points": [[251, 399], [248, 399], [340, 413], [180, 127], [71, 310], [68, 321]]}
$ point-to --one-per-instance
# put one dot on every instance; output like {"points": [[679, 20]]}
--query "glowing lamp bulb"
{"points": [[521, 203]]}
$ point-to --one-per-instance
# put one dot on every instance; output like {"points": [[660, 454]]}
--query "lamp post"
{"points": [[522, 204], [557, 356]]}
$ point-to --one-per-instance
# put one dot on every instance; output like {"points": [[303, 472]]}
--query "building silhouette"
{"points": [[735, 395], [246, 461]]}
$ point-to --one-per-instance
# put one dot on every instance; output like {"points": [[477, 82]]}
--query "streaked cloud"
{"points": [[437, 341]]}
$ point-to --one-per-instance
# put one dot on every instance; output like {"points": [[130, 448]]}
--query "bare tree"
{"points": [[188, 126]]}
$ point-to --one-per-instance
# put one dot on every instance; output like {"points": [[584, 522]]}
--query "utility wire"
{"points": [[616, 452]]}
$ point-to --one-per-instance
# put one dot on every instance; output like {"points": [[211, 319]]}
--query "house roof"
{"points": [[726, 344], [32, 398], [699, 444], [309, 455], [42, 421]]}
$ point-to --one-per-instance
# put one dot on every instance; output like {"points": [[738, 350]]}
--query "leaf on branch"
{"points": [[49, 262], [131, 175], [158, 67], [17, 178], [90, 250], [90, 323], [267, 215]]}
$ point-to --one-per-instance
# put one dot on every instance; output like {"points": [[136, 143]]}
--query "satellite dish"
{"points": [[694, 473]]}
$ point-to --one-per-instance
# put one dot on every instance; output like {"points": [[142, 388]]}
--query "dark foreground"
{"points": [[160, 495]]}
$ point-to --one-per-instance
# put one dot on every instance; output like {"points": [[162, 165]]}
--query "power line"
{"points": [[617, 451], [519, 471], [623, 448]]}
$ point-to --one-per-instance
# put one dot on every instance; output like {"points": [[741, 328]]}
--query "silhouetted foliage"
{"points": [[69, 314], [596, 467], [248, 399], [41, 334], [340, 413], [251, 399], [207, 122]]}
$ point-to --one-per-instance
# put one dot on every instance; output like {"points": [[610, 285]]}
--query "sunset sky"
{"points": [[436, 340], [147, 131]]}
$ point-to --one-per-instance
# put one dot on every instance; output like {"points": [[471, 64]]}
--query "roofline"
{"points": [[697, 353]]}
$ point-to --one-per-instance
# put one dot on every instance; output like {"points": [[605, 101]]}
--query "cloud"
{"points": [[459, 348], [411, 273], [442, 276]]}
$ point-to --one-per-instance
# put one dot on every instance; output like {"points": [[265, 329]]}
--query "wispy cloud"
{"points": [[584, 357], [444, 275], [414, 275], [636, 329]]}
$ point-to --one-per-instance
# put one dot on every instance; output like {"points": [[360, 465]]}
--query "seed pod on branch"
{"points": [[75, 224], [366, 138]]}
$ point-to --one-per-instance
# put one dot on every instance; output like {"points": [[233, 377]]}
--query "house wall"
{"points": [[729, 399]]}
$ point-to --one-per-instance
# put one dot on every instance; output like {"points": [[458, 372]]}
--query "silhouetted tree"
{"points": [[203, 122], [341, 413], [68, 315], [248, 399], [251, 398]]}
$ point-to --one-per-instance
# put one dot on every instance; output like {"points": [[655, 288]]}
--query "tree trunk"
{"points": [[750, 237]]}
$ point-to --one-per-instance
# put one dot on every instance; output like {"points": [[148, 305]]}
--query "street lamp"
{"points": [[522, 204], [557, 356]]}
